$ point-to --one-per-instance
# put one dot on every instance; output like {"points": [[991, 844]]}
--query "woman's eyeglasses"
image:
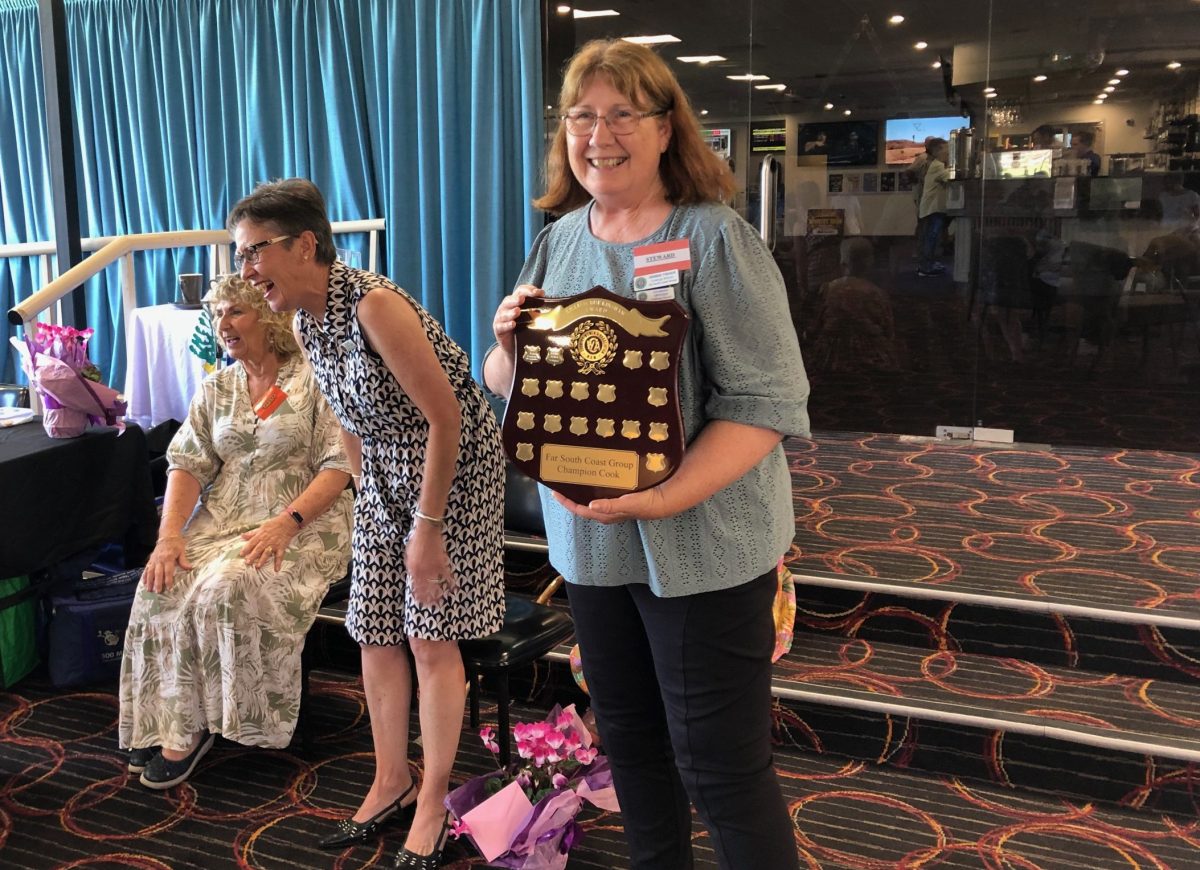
{"points": [[251, 253], [621, 122]]}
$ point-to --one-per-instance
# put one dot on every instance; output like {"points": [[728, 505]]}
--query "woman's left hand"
{"points": [[428, 563], [649, 504], [268, 542]]}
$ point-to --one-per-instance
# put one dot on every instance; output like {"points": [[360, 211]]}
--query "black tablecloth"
{"points": [[60, 496]]}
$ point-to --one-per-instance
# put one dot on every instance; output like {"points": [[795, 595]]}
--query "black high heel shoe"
{"points": [[349, 832], [432, 861]]}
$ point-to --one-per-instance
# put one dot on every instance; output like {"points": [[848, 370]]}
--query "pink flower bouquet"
{"points": [[524, 817], [56, 362]]}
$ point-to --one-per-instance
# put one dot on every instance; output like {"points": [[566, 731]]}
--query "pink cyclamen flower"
{"points": [[559, 781], [586, 756], [488, 736]]}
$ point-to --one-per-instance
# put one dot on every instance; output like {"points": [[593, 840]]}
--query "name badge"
{"points": [[657, 294], [653, 259], [269, 404]]}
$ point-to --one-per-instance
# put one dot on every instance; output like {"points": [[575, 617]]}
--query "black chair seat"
{"points": [[530, 631]]}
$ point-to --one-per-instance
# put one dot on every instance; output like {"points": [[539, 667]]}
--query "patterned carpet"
{"points": [[1116, 530], [66, 801]]}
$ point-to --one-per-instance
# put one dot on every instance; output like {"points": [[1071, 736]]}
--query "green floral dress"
{"points": [[221, 649]]}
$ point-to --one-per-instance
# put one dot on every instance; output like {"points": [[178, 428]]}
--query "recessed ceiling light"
{"points": [[594, 13], [1101, 96], [703, 112], [563, 10], [937, 64], [1109, 89], [770, 87], [921, 46], [988, 95], [1121, 72], [896, 19], [988, 89], [658, 39], [828, 106], [1097, 102], [846, 112], [700, 58], [748, 77], [1174, 65], [1039, 78], [1114, 81]]}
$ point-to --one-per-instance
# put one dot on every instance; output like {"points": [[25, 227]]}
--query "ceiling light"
{"points": [[1101, 96], [1097, 102], [937, 64], [1039, 78], [770, 87], [1109, 89], [700, 58], [988, 95], [748, 77], [651, 40], [1174, 65], [1121, 72], [988, 89], [846, 112], [921, 46], [563, 10], [595, 13], [828, 106], [703, 112], [896, 19], [1114, 81]]}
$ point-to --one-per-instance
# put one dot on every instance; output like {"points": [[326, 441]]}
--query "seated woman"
{"points": [[255, 526], [854, 330]]}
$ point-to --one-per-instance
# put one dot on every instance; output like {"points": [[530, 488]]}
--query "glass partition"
{"points": [[1043, 279]]}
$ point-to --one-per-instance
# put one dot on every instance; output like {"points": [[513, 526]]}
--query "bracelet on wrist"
{"points": [[436, 522]]}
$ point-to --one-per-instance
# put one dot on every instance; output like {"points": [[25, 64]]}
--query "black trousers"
{"points": [[681, 688]]}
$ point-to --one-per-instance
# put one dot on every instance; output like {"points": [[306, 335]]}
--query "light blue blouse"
{"points": [[741, 362]]}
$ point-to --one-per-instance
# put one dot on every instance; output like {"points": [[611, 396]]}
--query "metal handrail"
{"points": [[109, 249]]}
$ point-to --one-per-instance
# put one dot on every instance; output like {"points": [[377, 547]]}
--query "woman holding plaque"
{"points": [[671, 587], [425, 451]]}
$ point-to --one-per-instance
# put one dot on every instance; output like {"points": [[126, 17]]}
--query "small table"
{"points": [[161, 372], [61, 496]]}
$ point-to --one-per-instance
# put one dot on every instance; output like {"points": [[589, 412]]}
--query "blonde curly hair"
{"points": [[278, 325]]}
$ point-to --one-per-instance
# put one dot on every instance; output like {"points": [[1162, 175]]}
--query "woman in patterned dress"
{"points": [[255, 526], [428, 522]]}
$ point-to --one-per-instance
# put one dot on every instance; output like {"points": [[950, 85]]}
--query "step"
{"points": [[1104, 534], [1108, 711]]}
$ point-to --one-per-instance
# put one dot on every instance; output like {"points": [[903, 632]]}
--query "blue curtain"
{"points": [[425, 113]]}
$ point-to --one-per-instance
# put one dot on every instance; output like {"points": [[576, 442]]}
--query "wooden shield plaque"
{"points": [[594, 406]]}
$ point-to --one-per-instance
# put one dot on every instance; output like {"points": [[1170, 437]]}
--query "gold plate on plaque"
{"points": [[594, 408]]}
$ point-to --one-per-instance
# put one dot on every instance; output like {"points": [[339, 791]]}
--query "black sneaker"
{"points": [[139, 758], [162, 774]]}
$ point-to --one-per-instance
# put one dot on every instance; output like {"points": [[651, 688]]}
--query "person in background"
{"points": [[1081, 149], [1180, 206], [671, 588], [916, 177], [854, 328], [255, 526], [933, 208], [1042, 138], [425, 448]]}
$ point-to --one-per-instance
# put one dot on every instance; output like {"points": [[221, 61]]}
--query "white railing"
{"points": [[109, 249]]}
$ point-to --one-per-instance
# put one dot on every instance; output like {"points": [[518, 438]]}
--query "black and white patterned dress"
{"points": [[370, 404]]}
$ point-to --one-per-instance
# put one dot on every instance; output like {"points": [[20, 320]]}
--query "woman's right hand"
{"points": [[169, 553], [505, 321]]}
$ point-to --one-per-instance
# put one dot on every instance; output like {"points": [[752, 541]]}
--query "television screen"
{"points": [[905, 137], [769, 136], [841, 143]]}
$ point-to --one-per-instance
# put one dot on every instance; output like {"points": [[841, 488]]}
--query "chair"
{"points": [[338, 593], [14, 396]]}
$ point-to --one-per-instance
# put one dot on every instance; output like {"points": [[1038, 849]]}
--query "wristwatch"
{"points": [[296, 515]]}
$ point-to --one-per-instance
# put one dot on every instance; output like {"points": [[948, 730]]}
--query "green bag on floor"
{"points": [[18, 646]]}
